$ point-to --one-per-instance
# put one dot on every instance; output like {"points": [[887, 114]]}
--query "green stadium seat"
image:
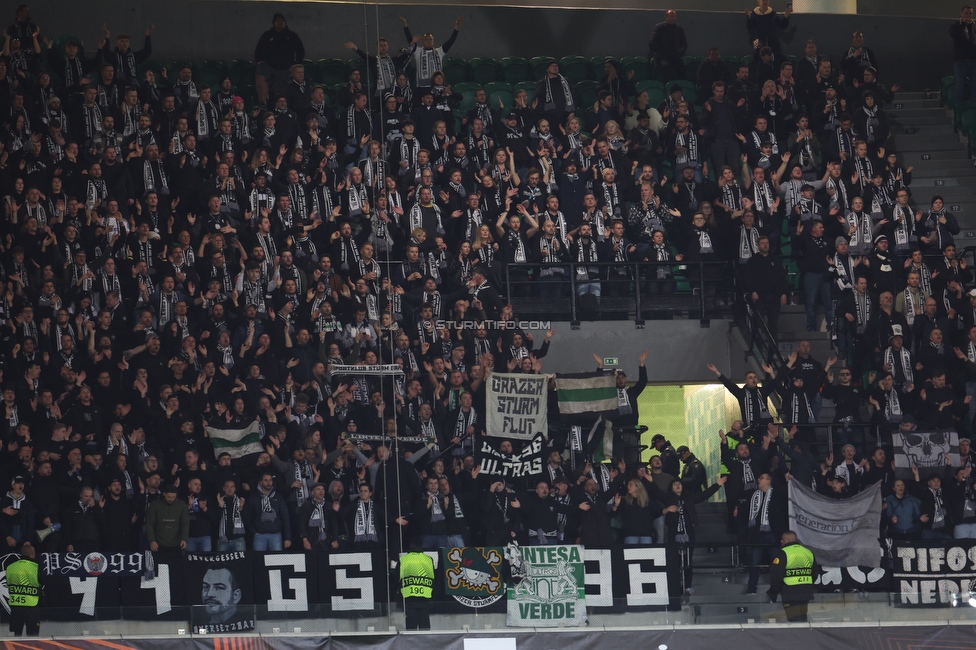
{"points": [[331, 71], [731, 61], [455, 70], [484, 70], [538, 64], [596, 65], [691, 66], [946, 82], [574, 68], [467, 102], [967, 123], [495, 86], [960, 109], [515, 69], [586, 92], [639, 65], [687, 89], [361, 64], [507, 97], [528, 87], [746, 60], [466, 87], [655, 97], [241, 72], [649, 85]]}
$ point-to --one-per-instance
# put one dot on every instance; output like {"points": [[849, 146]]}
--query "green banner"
{"points": [[553, 591]]}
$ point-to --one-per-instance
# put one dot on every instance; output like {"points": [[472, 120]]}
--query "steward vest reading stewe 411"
{"points": [[799, 566]]}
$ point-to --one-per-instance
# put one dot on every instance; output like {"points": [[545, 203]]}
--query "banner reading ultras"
{"points": [[553, 591], [516, 405]]}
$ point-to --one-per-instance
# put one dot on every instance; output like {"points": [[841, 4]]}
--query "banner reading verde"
{"points": [[553, 591]]}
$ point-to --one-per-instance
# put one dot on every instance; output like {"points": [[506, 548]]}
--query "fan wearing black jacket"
{"points": [[681, 519]]}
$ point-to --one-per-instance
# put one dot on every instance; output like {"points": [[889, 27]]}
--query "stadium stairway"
{"points": [[923, 134]]}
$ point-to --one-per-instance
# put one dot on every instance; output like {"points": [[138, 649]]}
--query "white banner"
{"points": [[517, 406], [553, 591]]}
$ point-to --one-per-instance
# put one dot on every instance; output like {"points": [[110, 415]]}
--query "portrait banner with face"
{"points": [[929, 451], [219, 592]]}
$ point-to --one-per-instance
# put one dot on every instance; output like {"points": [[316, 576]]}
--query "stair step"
{"points": [[927, 124], [935, 142], [902, 114], [922, 127], [935, 157], [944, 169]]}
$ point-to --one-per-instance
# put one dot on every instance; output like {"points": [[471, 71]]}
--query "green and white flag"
{"points": [[236, 442], [553, 591], [586, 393]]}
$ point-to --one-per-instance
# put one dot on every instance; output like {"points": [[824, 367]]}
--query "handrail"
{"points": [[762, 344], [700, 284]]}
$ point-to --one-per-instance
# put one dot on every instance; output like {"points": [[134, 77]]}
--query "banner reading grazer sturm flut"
{"points": [[553, 591], [516, 406]]}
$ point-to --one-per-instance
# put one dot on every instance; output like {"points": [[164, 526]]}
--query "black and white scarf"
{"points": [[939, 516], [688, 141], [901, 367], [567, 93], [759, 509], [232, 513], [364, 525], [748, 243], [154, 177]]}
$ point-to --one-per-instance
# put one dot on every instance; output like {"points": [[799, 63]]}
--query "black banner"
{"points": [[934, 574], [218, 590], [223, 593], [523, 464]]}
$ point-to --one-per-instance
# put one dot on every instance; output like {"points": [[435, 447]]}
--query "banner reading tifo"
{"points": [[553, 591], [840, 533], [516, 405]]}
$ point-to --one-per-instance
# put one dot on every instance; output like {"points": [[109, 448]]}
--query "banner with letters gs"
{"points": [[935, 574], [189, 586], [327, 584]]}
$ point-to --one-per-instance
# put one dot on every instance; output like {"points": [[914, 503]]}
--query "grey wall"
{"points": [[679, 349], [915, 51]]}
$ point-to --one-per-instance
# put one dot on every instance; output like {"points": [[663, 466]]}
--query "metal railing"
{"points": [[623, 290]]}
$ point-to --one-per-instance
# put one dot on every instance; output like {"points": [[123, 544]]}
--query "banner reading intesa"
{"points": [[516, 406], [553, 591]]}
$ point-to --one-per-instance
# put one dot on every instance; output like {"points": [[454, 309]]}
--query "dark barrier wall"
{"points": [[913, 51]]}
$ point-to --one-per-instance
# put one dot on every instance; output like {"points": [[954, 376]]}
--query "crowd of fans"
{"points": [[174, 261]]}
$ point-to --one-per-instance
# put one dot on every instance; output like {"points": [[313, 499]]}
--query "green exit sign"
{"points": [[610, 361]]}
